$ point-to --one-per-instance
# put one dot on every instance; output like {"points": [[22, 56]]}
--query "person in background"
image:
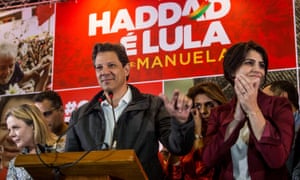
{"points": [[251, 136], [284, 88], [51, 105], [296, 159], [10, 148], [9, 151], [121, 117], [11, 73], [205, 96], [29, 131]]}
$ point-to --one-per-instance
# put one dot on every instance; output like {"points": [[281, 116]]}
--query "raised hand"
{"points": [[179, 106], [246, 90]]}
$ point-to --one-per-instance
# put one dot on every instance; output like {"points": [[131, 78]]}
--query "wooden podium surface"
{"points": [[110, 164]]}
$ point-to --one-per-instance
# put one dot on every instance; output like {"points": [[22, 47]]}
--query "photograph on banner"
{"points": [[26, 38], [184, 84], [74, 98], [171, 39]]}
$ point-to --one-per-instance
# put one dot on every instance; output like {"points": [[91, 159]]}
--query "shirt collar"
{"points": [[125, 99]]}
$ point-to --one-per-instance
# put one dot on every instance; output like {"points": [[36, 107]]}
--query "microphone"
{"points": [[110, 94], [57, 169], [101, 98], [114, 138], [44, 149]]}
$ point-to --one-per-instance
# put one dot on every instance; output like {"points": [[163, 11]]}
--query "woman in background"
{"points": [[29, 131], [251, 136], [10, 148], [205, 96]]}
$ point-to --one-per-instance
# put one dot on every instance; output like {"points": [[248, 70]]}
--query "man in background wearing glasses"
{"points": [[51, 105]]}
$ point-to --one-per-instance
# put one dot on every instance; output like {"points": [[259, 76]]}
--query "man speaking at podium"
{"points": [[121, 117]]}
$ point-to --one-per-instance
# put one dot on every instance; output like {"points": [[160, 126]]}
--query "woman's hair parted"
{"points": [[210, 89], [236, 54], [32, 116]]}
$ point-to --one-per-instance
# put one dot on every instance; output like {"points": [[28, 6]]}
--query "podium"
{"points": [[95, 165]]}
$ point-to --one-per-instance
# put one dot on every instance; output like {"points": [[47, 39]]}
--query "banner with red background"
{"points": [[168, 39], [164, 39]]}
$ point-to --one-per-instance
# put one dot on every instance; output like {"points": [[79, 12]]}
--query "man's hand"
{"points": [[179, 106]]}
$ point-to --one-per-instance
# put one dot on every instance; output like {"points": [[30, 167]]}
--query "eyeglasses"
{"points": [[48, 113]]}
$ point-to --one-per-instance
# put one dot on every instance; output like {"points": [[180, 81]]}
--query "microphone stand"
{"points": [[101, 98], [56, 169], [114, 141]]}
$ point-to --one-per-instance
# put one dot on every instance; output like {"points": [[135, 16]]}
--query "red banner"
{"points": [[168, 39]]}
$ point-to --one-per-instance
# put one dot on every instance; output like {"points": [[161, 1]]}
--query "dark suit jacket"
{"points": [[141, 126], [266, 157]]}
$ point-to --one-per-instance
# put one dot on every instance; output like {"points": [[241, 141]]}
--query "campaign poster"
{"points": [[27, 35], [169, 39]]}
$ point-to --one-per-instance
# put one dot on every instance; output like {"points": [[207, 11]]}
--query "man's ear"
{"points": [[127, 69]]}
